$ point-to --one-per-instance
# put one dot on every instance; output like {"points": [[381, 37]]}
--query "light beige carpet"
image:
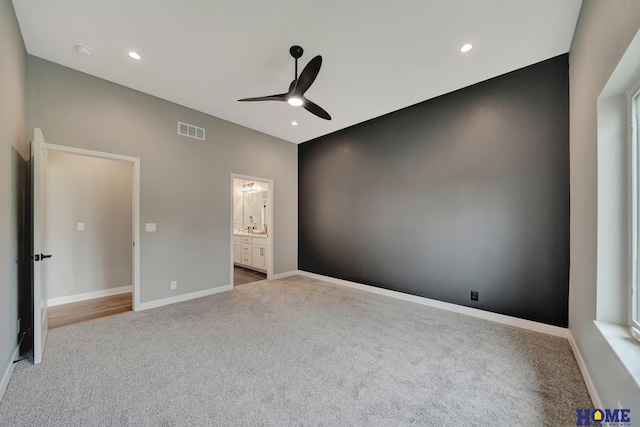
{"points": [[296, 351]]}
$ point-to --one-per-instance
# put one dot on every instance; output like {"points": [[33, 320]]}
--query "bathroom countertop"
{"points": [[244, 233]]}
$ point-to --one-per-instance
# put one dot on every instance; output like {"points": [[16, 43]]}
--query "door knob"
{"points": [[43, 256]]}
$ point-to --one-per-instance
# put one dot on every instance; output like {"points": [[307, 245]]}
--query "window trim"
{"points": [[634, 168]]}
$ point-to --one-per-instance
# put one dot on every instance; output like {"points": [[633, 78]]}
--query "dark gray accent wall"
{"points": [[467, 191]]}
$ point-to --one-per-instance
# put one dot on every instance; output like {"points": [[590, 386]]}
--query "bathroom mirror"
{"points": [[250, 211]]}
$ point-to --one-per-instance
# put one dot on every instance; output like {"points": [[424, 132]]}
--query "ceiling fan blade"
{"points": [[316, 109], [308, 75], [280, 97]]}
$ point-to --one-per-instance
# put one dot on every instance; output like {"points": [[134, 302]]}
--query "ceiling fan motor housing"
{"points": [[296, 51]]}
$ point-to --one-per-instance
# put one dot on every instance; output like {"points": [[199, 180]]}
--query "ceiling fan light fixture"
{"points": [[294, 101], [466, 48], [134, 55], [301, 82]]}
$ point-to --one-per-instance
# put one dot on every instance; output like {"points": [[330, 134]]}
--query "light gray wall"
{"points": [[603, 33], [96, 192], [185, 183], [12, 150]]}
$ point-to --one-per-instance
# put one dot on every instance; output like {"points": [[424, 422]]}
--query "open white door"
{"points": [[39, 181]]}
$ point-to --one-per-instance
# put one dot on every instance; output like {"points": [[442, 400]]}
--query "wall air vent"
{"points": [[191, 131]]}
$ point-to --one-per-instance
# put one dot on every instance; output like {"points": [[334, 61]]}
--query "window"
{"points": [[634, 301], [618, 214]]}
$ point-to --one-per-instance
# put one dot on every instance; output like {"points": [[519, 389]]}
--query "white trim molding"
{"points": [[591, 388], [183, 297], [52, 302], [6, 376], [623, 345], [286, 274], [469, 311]]}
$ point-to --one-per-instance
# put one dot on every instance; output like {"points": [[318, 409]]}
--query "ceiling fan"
{"points": [[297, 88]]}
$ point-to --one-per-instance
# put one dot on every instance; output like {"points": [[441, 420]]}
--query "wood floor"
{"points": [[243, 276], [68, 314]]}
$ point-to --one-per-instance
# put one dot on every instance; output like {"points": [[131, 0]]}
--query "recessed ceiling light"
{"points": [[295, 101], [134, 55], [466, 48], [294, 123], [83, 50]]}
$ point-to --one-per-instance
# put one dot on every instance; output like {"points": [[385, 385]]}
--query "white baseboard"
{"points": [[183, 297], [51, 302], [469, 311], [285, 274], [8, 372], [591, 388]]}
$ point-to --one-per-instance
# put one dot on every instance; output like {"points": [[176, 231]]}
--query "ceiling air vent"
{"points": [[191, 131]]}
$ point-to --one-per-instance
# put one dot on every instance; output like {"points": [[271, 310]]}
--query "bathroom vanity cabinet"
{"points": [[250, 251]]}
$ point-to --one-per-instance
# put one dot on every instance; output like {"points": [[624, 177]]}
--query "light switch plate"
{"points": [[150, 227], [80, 226]]}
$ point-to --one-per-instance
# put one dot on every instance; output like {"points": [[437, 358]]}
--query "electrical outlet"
{"points": [[174, 285], [474, 295]]}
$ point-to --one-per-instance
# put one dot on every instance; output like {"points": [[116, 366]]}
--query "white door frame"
{"points": [[271, 228], [135, 161]]}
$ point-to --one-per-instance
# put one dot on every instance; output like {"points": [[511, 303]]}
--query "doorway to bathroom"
{"points": [[251, 229]]}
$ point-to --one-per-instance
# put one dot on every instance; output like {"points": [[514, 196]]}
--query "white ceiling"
{"points": [[378, 56]]}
